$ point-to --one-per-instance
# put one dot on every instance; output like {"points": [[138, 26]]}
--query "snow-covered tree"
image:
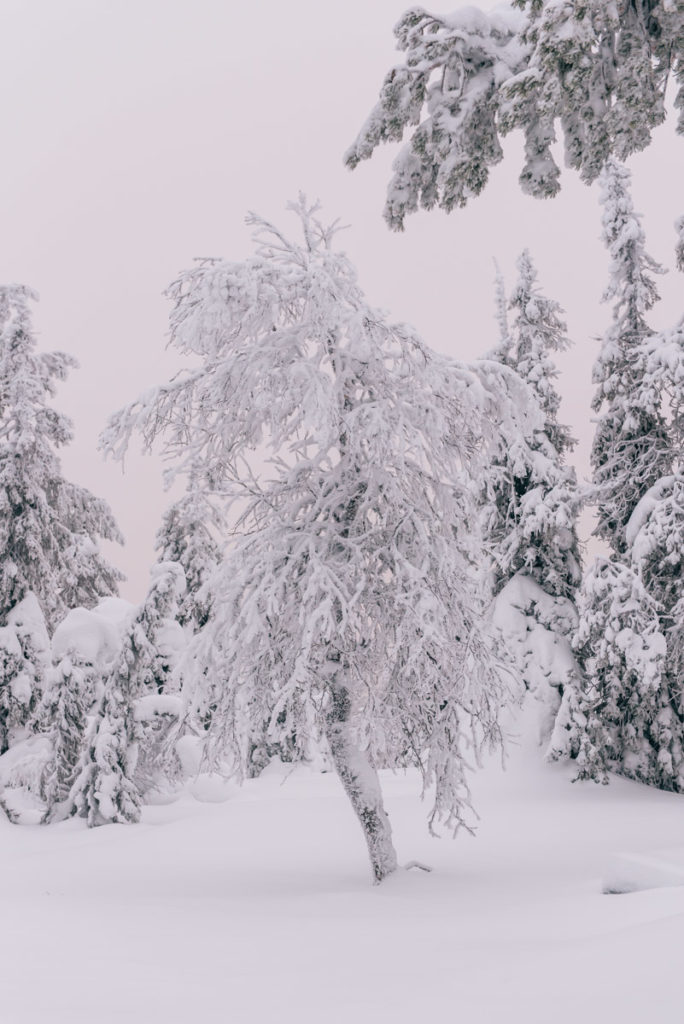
{"points": [[627, 721], [599, 69], [70, 706], [631, 450], [348, 601], [186, 537], [24, 659], [628, 716], [155, 636], [48, 527], [85, 646], [104, 791], [675, 643], [531, 502], [13, 699], [107, 787], [656, 537], [656, 529]]}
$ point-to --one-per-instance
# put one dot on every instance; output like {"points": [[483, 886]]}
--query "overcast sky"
{"points": [[136, 134]]}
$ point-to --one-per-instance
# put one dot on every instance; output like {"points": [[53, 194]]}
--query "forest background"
{"points": [[137, 136]]}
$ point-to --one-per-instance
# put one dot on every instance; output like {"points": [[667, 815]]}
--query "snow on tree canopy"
{"points": [[349, 601], [90, 636], [598, 68], [48, 526]]}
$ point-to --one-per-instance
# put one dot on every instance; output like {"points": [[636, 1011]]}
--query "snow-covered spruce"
{"points": [[631, 450], [656, 532], [598, 69], [531, 503], [656, 535], [628, 722], [187, 536], [85, 646], [629, 715], [72, 701], [24, 660], [348, 601], [49, 527], [656, 528], [532, 499], [113, 774]]}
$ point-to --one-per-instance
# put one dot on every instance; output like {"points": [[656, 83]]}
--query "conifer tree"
{"points": [[531, 502], [71, 694], [24, 660], [185, 537], [349, 601], [104, 792], [533, 493], [48, 527], [631, 450], [628, 716], [107, 789], [625, 718]]}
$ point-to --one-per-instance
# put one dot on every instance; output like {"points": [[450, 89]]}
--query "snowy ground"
{"points": [[258, 908]]}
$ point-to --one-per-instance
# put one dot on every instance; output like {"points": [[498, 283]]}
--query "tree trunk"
{"points": [[361, 783]]}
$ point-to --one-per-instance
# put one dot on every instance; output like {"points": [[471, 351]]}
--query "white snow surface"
{"points": [[631, 872], [258, 907]]}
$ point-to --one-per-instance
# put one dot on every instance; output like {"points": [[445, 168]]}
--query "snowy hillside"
{"points": [[255, 905]]}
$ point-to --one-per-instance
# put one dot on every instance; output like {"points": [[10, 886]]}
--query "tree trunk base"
{"points": [[361, 784]]}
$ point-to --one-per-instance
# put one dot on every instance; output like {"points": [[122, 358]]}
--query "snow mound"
{"points": [[211, 788], [634, 872]]}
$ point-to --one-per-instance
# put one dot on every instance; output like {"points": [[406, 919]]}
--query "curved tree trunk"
{"points": [[361, 783]]}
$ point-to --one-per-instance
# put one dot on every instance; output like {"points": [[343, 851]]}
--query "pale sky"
{"points": [[136, 134]]}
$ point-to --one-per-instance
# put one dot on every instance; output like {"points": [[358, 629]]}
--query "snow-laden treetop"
{"points": [[295, 362], [49, 527], [351, 596]]}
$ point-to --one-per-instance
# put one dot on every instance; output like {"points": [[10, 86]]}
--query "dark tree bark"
{"points": [[361, 784]]}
